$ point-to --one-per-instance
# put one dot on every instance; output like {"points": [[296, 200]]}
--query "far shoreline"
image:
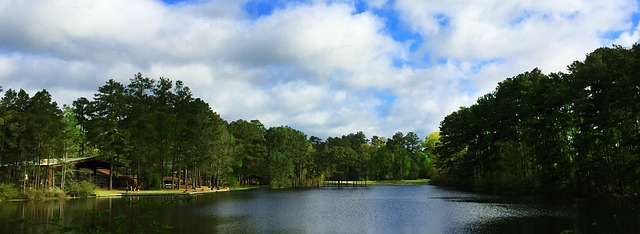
{"points": [[102, 193], [377, 182], [105, 193]]}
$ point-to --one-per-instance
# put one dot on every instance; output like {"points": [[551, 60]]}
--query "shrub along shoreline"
{"points": [[9, 192]]}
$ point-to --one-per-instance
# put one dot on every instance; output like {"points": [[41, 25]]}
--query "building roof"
{"points": [[58, 162]]}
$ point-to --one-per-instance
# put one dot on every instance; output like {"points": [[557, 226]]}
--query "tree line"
{"points": [[158, 130], [32, 129], [574, 133]]}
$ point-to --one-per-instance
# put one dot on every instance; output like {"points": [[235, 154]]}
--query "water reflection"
{"points": [[380, 209], [375, 209]]}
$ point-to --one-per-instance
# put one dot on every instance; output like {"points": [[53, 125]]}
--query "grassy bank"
{"points": [[9, 192], [242, 188]]}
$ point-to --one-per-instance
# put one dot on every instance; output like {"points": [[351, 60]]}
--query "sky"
{"points": [[324, 67]]}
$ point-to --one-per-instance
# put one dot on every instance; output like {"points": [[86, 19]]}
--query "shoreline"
{"points": [[400, 182], [102, 193], [379, 182]]}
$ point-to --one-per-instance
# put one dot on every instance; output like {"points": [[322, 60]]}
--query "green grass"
{"points": [[242, 188]]}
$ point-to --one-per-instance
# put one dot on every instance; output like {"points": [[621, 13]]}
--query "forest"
{"points": [[157, 129], [575, 133]]}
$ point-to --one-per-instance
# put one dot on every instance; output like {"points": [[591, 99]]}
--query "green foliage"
{"points": [[559, 133], [152, 178], [56, 192], [8, 191], [250, 149], [280, 170], [106, 130], [159, 133], [31, 132], [81, 189], [280, 182], [232, 181], [289, 156], [34, 194]]}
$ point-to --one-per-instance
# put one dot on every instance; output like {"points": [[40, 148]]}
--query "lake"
{"points": [[373, 209]]}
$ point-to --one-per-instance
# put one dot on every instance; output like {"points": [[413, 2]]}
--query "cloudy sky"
{"points": [[324, 67]]}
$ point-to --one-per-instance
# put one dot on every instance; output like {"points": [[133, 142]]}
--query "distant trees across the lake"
{"points": [[576, 132], [157, 132]]}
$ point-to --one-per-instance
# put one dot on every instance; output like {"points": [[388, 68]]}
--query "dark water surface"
{"points": [[374, 209]]}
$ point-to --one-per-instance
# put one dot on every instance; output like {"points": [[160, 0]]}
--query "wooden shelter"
{"points": [[91, 169]]}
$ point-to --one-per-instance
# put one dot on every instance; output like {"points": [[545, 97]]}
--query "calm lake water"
{"points": [[374, 209]]}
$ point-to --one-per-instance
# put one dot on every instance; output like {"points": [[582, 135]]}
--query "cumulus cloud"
{"points": [[327, 68], [489, 41], [547, 34], [628, 37]]}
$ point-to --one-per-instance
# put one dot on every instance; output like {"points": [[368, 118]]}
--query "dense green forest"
{"points": [[157, 129], [572, 133]]}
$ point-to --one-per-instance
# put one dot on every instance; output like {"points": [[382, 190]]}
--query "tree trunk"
{"points": [[193, 179], [50, 175], [111, 173], [186, 181], [64, 165], [161, 166], [2, 142], [24, 178], [63, 174], [173, 174]]}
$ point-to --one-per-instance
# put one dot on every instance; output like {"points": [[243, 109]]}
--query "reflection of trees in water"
{"points": [[113, 215]]}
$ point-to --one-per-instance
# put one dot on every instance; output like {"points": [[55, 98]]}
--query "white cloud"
{"points": [[299, 96], [628, 38], [488, 41], [6, 66], [196, 74], [315, 66], [527, 30], [321, 40]]}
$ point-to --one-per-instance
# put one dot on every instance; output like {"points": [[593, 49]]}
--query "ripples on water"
{"points": [[374, 209]]}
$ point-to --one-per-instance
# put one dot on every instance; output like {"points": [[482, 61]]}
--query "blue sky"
{"points": [[325, 67]]}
